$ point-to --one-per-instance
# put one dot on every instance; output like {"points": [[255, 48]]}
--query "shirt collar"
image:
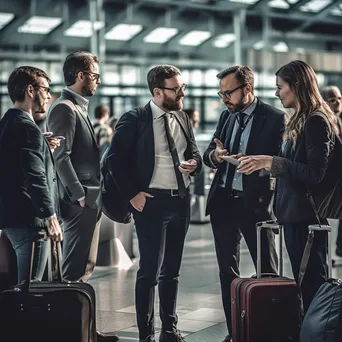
{"points": [[250, 109], [80, 100], [156, 111]]}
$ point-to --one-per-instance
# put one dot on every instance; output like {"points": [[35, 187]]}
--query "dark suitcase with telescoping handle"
{"points": [[265, 308], [53, 311], [323, 320]]}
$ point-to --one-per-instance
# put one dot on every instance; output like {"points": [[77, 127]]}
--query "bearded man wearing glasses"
{"points": [[153, 153], [78, 165], [235, 201]]}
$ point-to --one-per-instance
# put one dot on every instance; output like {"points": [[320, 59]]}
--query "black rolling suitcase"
{"points": [[49, 311], [323, 320]]}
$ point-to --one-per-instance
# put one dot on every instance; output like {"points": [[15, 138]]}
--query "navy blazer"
{"points": [[265, 139], [132, 150], [28, 184], [306, 165]]}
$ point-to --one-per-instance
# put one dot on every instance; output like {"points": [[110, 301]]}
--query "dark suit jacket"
{"points": [[77, 159], [305, 165], [28, 185], [265, 138], [132, 156]]}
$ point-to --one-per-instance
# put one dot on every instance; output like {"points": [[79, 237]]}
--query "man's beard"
{"points": [[87, 90], [39, 106], [170, 104], [234, 108]]}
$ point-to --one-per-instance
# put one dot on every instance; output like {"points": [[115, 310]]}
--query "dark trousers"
{"points": [[161, 230], [81, 238], [21, 240], [229, 217], [316, 273]]}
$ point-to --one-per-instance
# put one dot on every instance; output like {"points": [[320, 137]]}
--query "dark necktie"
{"points": [[235, 149], [174, 154]]}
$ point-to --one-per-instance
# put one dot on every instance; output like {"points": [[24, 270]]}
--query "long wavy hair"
{"points": [[302, 80]]}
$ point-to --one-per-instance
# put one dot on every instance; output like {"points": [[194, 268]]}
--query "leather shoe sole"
{"points": [[106, 337]]}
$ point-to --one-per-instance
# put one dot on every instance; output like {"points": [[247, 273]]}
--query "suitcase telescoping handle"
{"points": [[54, 258], [307, 251], [270, 224]]}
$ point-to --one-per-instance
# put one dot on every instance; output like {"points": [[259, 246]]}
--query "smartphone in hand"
{"points": [[230, 160], [58, 137]]}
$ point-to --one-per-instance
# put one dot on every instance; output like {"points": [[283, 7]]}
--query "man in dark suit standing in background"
{"points": [[146, 152], [28, 187], [236, 202], [332, 96], [78, 165]]}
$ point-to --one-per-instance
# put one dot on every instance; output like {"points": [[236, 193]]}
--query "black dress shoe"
{"points": [[108, 337], [174, 336], [228, 339], [148, 339]]}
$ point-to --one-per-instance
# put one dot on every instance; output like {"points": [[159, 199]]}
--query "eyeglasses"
{"points": [[94, 75], [334, 100], [177, 90], [228, 93], [47, 89]]}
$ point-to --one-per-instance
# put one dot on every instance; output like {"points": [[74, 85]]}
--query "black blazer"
{"points": [[265, 138], [78, 157], [28, 185], [305, 165], [132, 153]]}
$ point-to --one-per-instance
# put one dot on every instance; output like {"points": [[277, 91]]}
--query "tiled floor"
{"points": [[200, 311]]}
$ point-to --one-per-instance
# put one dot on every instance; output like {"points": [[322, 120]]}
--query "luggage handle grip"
{"points": [[265, 275], [57, 257], [269, 224]]}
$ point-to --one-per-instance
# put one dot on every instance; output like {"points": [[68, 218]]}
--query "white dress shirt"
{"points": [[164, 176]]}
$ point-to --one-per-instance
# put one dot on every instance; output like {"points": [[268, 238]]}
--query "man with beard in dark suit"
{"points": [[152, 155], [332, 96], [28, 187], [236, 202]]}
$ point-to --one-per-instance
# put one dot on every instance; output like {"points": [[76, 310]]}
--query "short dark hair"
{"points": [[75, 62], [156, 76], [21, 78], [100, 111], [243, 73]]}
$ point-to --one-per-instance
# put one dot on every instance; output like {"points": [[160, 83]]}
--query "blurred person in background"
{"points": [[235, 202], [112, 123], [302, 164], [103, 132], [332, 96], [194, 117]]}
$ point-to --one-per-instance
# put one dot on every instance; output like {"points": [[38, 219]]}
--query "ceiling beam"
{"points": [[317, 17], [261, 5], [6, 34], [295, 7]]}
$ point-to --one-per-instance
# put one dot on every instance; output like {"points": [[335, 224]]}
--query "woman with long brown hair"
{"points": [[302, 163]]}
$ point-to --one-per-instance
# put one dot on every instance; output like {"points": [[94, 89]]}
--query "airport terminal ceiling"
{"points": [[202, 30]]}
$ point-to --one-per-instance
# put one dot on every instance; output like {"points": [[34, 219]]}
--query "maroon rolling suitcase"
{"points": [[266, 308]]}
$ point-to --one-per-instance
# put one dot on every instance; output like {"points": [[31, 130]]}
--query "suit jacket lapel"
{"points": [[227, 130], [256, 129], [183, 125], [84, 116]]}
